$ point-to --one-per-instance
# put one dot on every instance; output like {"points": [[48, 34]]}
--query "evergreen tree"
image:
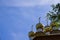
{"points": [[54, 15]]}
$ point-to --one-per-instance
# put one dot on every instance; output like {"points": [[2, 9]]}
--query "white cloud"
{"points": [[28, 2], [47, 2]]}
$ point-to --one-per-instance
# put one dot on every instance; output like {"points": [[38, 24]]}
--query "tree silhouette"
{"points": [[54, 15]]}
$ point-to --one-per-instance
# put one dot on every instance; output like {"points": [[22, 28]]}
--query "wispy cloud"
{"points": [[27, 2]]}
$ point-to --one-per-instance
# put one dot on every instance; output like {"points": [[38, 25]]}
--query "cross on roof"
{"points": [[39, 19], [32, 28]]}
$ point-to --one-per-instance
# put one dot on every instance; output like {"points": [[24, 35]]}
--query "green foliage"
{"points": [[54, 15]]}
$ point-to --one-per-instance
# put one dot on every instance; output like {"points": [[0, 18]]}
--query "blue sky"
{"points": [[17, 16]]}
